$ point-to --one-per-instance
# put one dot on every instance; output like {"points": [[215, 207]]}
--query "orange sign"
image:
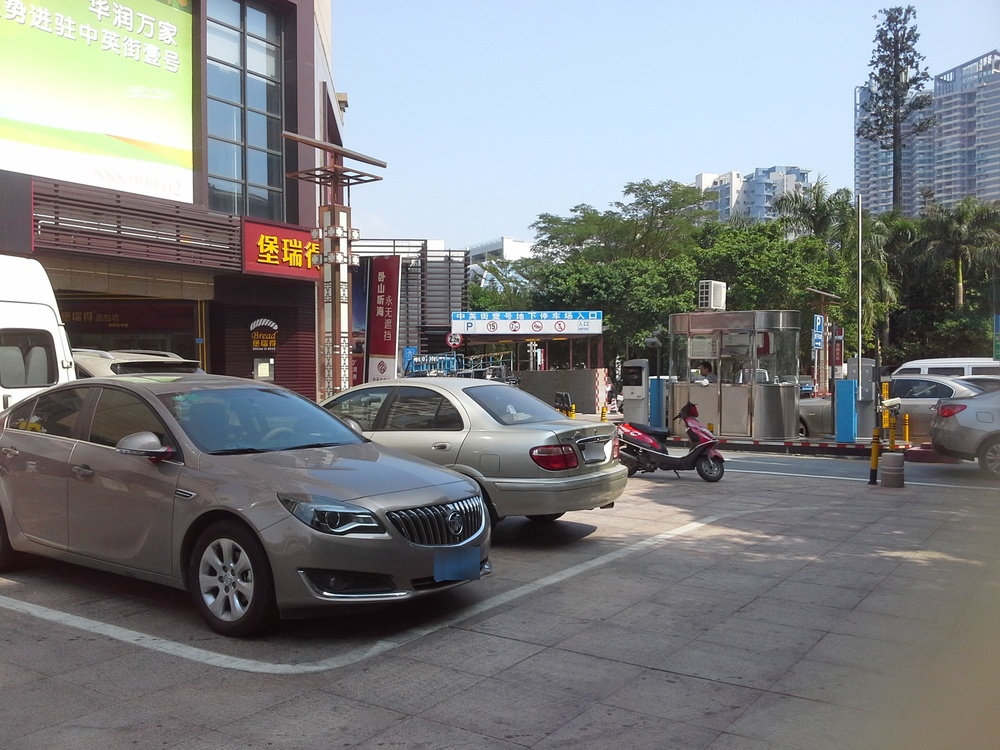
{"points": [[280, 250]]}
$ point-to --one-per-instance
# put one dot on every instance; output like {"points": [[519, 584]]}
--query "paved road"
{"points": [[770, 610]]}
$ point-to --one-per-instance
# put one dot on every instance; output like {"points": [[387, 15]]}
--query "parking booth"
{"points": [[752, 388]]}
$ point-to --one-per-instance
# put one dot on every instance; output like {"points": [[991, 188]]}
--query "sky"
{"points": [[492, 112]]}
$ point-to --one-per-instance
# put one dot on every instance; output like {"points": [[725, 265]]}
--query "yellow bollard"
{"points": [[572, 411], [906, 428], [873, 474], [711, 427], [604, 414], [892, 432]]}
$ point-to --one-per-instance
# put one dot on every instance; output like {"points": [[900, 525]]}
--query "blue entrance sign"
{"points": [[817, 339], [525, 324]]}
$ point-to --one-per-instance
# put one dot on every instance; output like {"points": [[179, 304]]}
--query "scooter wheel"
{"points": [[710, 468]]}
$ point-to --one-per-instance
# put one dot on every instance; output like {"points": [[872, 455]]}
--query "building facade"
{"points": [[958, 157], [166, 162], [751, 196]]}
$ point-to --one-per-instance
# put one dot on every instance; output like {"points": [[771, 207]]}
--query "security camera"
{"points": [[891, 403]]}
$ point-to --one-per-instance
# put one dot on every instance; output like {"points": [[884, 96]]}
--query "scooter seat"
{"points": [[657, 432]]}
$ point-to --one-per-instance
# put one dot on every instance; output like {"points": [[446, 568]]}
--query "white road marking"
{"points": [[203, 656]]}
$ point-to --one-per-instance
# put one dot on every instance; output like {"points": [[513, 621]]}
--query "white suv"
{"points": [[94, 363]]}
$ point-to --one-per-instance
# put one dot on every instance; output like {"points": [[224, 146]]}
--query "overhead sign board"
{"points": [[524, 324]]}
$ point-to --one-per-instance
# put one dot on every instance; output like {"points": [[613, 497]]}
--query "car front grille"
{"points": [[451, 523]]}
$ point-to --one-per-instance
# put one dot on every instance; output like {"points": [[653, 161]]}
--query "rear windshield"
{"points": [[510, 405]]}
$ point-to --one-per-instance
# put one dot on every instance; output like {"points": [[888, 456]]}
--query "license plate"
{"points": [[460, 564]]}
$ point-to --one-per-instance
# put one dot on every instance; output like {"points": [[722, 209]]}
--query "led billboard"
{"points": [[100, 93]]}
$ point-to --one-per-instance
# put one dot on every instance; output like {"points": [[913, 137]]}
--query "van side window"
{"points": [[950, 371], [27, 358], [987, 370]]}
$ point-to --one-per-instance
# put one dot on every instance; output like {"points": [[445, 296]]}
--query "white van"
{"points": [[954, 367], [34, 350]]}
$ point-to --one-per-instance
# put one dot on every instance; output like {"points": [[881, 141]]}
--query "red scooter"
{"points": [[643, 448]]}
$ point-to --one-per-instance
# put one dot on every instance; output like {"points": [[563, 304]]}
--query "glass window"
{"points": [[263, 131], [361, 406], [225, 196], [422, 409], [55, 413], [243, 110], [509, 405], [27, 358], [262, 58], [261, 23], [119, 414], [224, 82], [225, 159], [223, 44], [224, 121], [263, 168], [227, 11], [263, 95], [263, 203]]}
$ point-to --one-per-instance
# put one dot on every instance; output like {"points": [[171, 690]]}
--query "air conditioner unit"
{"points": [[711, 295]]}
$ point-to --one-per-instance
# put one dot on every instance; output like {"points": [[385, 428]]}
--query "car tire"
{"points": [[545, 518], [989, 457], [230, 581], [803, 429], [9, 557]]}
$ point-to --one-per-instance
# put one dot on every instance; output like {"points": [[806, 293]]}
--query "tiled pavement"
{"points": [[760, 612]]}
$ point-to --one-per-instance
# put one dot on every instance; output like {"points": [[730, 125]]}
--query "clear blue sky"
{"points": [[491, 112]]}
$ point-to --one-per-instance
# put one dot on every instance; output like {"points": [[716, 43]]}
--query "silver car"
{"points": [[529, 459], [918, 396], [258, 502], [969, 428]]}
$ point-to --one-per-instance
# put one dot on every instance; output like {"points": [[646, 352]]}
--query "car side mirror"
{"points": [[353, 424], [144, 444]]}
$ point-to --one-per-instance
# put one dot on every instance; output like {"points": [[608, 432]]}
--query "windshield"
{"points": [[510, 405], [249, 420]]}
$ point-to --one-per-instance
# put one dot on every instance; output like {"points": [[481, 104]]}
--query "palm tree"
{"points": [[818, 212], [879, 290], [966, 235]]}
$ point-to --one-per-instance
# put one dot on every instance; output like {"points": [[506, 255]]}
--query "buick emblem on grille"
{"points": [[455, 523]]}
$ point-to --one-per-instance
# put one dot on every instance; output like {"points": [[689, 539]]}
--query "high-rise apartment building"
{"points": [[751, 195], [958, 157]]}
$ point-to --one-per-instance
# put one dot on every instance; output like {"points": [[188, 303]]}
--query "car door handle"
{"points": [[83, 471], [441, 446], [9, 452]]}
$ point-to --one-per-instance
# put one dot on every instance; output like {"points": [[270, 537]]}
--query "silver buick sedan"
{"points": [[254, 499], [529, 459]]}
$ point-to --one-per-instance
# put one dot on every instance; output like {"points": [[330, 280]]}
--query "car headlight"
{"points": [[330, 516]]}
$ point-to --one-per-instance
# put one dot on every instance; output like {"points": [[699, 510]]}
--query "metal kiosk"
{"points": [[752, 388]]}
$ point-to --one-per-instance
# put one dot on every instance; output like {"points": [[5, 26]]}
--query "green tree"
{"points": [[892, 111], [966, 236], [500, 287], [658, 222], [826, 216]]}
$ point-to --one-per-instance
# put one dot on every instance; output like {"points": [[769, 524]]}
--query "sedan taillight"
{"points": [[950, 410], [555, 457]]}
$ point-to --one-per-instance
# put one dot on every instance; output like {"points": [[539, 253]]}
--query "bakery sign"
{"points": [[280, 250], [263, 335]]}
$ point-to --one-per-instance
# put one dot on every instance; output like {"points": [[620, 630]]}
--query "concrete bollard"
{"points": [[891, 467]]}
